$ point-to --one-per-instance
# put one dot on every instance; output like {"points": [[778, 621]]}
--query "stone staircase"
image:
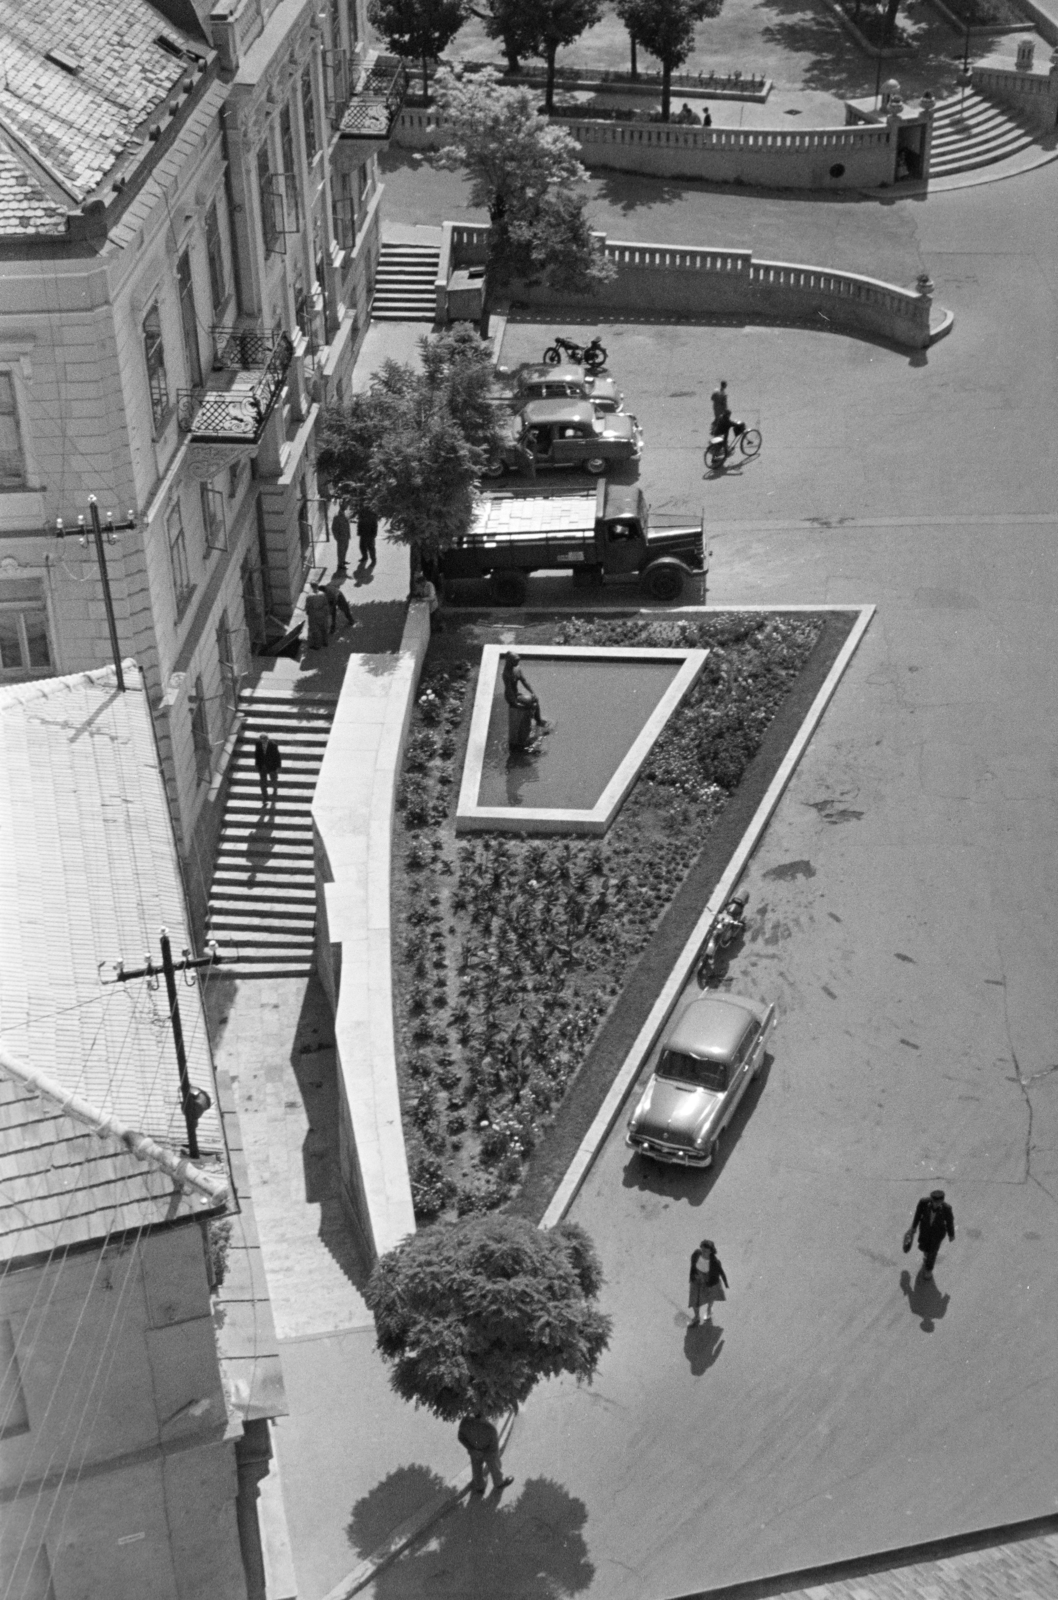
{"points": [[975, 135], [262, 906], [404, 285]]}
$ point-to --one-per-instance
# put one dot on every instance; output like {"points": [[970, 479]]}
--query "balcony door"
{"points": [[188, 319]]}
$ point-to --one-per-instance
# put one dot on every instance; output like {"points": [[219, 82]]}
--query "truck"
{"points": [[566, 433], [599, 533]]}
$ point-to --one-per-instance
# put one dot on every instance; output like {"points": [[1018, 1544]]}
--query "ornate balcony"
{"points": [[249, 368], [374, 104]]}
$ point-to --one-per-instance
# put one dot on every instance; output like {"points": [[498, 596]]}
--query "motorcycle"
{"points": [[592, 356], [729, 926]]}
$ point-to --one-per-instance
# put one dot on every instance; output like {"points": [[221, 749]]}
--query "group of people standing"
{"points": [[325, 600]]}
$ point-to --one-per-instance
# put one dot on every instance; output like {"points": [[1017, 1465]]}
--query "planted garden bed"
{"points": [[511, 956]]}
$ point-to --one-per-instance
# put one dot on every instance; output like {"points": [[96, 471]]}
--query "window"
{"points": [[336, 24], [234, 473], [214, 521], [24, 649], [218, 285], [188, 320], [226, 657], [154, 353], [12, 461], [344, 200], [308, 114], [178, 557], [253, 598], [200, 734], [14, 1418], [290, 167], [269, 201]]}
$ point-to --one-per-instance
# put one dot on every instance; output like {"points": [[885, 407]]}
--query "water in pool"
{"points": [[597, 709]]}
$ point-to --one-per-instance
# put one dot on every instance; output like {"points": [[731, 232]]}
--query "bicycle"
{"points": [[593, 355], [721, 447]]}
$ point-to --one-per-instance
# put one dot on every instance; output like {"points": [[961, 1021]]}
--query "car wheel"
{"points": [[596, 466], [495, 469]]}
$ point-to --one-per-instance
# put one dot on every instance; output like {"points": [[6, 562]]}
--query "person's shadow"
{"points": [[924, 1299], [362, 574], [702, 1346], [527, 1542]]}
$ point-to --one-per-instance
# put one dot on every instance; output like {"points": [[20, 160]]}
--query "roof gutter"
{"points": [[183, 1172]]}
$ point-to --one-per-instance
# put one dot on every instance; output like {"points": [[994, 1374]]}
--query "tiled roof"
{"points": [[88, 875], [76, 124], [62, 1185], [25, 205]]}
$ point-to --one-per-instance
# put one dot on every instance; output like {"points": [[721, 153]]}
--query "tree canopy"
{"points": [[471, 1315], [666, 29], [418, 29], [416, 442], [541, 28], [527, 175]]}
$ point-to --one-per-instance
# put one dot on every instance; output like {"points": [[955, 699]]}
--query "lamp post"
{"points": [[111, 529]]}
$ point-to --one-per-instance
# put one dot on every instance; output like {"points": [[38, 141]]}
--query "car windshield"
{"points": [[689, 1069]]}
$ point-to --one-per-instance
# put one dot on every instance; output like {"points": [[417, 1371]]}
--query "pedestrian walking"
{"points": [[268, 759], [366, 533], [480, 1440], [343, 532], [707, 1275], [318, 616], [336, 599], [934, 1221]]}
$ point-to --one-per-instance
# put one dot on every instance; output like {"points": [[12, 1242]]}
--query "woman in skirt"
{"points": [[707, 1275]]}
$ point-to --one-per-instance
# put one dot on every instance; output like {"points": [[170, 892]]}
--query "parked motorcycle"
{"points": [[592, 356], [729, 926]]}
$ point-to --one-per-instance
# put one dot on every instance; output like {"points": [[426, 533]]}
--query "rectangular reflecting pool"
{"points": [[597, 709]]}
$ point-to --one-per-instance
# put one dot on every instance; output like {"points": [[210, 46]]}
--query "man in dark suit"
{"points": [[933, 1221], [268, 760]]}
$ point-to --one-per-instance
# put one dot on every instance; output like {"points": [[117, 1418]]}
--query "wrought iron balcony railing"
{"points": [[375, 102], [249, 369]]}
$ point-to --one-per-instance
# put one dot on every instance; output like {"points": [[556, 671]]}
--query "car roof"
{"points": [[602, 386], [545, 374], [618, 424], [713, 1028], [559, 411]]}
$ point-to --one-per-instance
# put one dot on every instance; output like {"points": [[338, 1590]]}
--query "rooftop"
{"points": [[79, 80], [89, 875]]}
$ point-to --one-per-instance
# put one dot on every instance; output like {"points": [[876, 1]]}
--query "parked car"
{"points": [[541, 382], [706, 1062], [566, 433]]}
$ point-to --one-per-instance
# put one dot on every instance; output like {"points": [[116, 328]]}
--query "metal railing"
{"points": [[376, 100], [237, 412]]}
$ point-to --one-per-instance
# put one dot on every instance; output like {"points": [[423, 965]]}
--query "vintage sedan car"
{"points": [[541, 382], [705, 1065], [566, 433]]}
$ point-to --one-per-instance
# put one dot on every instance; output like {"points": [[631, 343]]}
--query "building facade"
{"points": [[188, 239]]}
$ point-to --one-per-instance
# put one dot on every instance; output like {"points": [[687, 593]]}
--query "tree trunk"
{"points": [[514, 66], [666, 90], [425, 80], [635, 63], [549, 98], [890, 20]]}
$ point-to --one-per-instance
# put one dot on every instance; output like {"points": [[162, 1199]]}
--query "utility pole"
{"points": [[193, 1102], [111, 530]]}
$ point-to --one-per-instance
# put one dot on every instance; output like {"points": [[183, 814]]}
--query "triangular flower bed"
{"points": [[523, 965]]}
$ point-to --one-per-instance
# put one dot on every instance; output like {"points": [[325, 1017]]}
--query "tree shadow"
{"points": [[702, 1345], [924, 1299], [485, 1547]]}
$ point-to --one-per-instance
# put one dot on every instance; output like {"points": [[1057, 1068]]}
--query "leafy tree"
{"points": [[527, 175], [472, 1314], [416, 443], [666, 29], [543, 26], [418, 30], [509, 20]]}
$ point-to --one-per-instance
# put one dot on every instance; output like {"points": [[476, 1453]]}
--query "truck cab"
{"points": [[553, 434]]}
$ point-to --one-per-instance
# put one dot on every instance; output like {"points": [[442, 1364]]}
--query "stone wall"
{"points": [[1033, 94]]}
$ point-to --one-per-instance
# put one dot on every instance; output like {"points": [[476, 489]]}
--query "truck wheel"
{"points": [[663, 583], [495, 469], [596, 466], [508, 588]]}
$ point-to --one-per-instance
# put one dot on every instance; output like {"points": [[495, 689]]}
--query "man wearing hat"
{"points": [[934, 1221]]}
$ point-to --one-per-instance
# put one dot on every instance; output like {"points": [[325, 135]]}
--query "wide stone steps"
{"points": [[974, 134], [262, 907], [404, 283]]}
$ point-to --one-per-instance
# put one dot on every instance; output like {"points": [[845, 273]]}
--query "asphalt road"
{"points": [[903, 908]]}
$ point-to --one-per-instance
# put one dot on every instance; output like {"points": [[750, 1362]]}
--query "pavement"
{"points": [[902, 906]]}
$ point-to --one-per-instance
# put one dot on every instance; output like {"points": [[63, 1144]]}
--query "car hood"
{"points": [[674, 1111]]}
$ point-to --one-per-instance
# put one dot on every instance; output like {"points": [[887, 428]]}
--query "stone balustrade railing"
{"points": [[1033, 94]]}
